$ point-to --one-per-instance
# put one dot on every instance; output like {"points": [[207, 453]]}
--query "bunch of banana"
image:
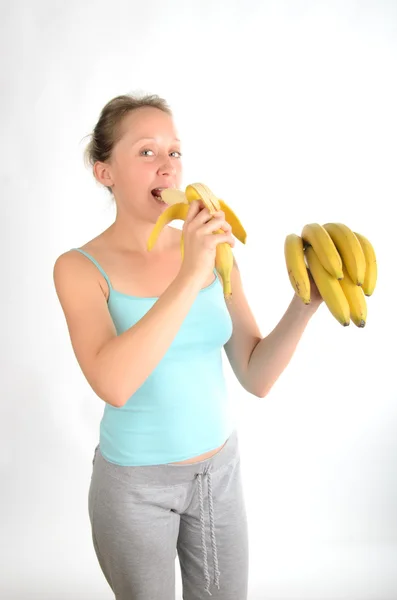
{"points": [[342, 264], [178, 208]]}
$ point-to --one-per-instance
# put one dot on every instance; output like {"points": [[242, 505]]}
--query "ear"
{"points": [[103, 174]]}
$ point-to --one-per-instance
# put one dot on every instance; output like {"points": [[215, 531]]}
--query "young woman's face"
{"points": [[147, 157]]}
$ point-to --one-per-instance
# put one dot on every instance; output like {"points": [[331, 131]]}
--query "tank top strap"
{"points": [[217, 275], [92, 259]]}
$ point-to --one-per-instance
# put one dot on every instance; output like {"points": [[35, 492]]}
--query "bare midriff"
{"points": [[201, 457]]}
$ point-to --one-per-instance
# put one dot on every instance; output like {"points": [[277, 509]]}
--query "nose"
{"points": [[166, 166]]}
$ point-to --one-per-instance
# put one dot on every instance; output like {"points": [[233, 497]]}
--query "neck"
{"points": [[130, 233]]}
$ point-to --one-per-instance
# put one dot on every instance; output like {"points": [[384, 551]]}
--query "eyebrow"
{"points": [[152, 139]]}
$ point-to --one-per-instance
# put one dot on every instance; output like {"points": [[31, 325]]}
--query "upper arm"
{"points": [[86, 312], [246, 333]]}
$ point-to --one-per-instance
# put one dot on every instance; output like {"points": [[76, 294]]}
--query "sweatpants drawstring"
{"points": [[212, 531]]}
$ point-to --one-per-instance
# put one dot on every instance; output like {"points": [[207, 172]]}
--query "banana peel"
{"points": [[173, 196], [179, 202], [174, 212]]}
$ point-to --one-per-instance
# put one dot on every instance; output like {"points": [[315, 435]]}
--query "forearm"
{"points": [[129, 358], [273, 353]]}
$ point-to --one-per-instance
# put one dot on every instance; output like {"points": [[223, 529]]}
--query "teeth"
{"points": [[156, 193], [158, 198]]}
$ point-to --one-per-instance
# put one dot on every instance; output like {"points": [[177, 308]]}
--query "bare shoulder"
{"points": [[67, 265], [71, 270]]}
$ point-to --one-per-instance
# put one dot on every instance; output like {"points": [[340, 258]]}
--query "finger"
{"points": [[221, 238], [204, 216], [219, 214], [193, 211], [226, 227], [215, 224]]}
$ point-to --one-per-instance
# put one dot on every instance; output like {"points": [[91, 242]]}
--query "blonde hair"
{"points": [[108, 131]]}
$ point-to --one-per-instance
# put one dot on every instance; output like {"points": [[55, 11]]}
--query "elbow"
{"points": [[117, 393], [119, 401], [262, 392], [116, 399], [119, 396], [110, 399], [110, 394], [109, 384], [258, 392]]}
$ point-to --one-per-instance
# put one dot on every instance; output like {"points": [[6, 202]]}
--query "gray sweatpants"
{"points": [[142, 518]]}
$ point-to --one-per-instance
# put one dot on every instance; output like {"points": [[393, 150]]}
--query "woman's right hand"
{"points": [[200, 241]]}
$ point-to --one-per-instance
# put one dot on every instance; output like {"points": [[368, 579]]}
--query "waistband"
{"points": [[171, 473]]}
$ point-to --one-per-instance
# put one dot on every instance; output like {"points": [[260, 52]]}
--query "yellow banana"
{"points": [[237, 229], [371, 267], [329, 287], [316, 236], [199, 191], [182, 246], [224, 266], [356, 299], [349, 249], [174, 196], [296, 266], [175, 211], [224, 254]]}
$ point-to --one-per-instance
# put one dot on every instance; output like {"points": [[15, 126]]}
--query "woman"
{"points": [[147, 330]]}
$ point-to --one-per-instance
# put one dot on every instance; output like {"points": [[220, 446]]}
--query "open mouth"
{"points": [[156, 193]]}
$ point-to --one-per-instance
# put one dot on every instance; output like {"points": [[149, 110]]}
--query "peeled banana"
{"points": [[371, 267], [179, 205], [350, 250], [296, 266], [329, 288], [325, 249], [173, 196]]}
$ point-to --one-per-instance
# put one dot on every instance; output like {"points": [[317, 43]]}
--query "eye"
{"points": [[177, 152], [143, 152]]}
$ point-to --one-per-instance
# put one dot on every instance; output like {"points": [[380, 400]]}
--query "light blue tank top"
{"points": [[182, 409]]}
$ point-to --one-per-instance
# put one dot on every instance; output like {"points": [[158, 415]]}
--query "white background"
{"points": [[287, 110]]}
